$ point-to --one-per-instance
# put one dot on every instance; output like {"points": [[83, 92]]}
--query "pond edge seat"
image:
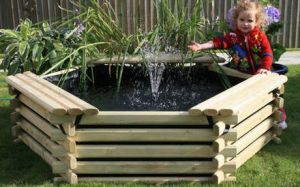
{"points": [[169, 58], [50, 97], [224, 104]]}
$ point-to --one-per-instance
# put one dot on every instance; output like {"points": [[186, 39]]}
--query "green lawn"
{"points": [[293, 49], [275, 165]]}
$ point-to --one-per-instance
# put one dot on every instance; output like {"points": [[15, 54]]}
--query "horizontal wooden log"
{"points": [[254, 120], [228, 105], [252, 135], [255, 106], [232, 106], [229, 71], [54, 119], [144, 151], [43, 100], [149, 179], [144, 135], [229, 166], [87, 108], [229, 151], [143, 118], [69, 145], [54, 133], [259, 90], [70, 107], [55, 149], [212, 103], [231, 135], [163, 58], [145, 167], [57, 166], [250, 109], [252, 149]]}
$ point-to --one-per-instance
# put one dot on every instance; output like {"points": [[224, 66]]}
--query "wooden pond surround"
{"points": [[207, 143]]}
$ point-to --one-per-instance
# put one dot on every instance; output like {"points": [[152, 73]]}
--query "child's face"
{"points": [[246, 21]]}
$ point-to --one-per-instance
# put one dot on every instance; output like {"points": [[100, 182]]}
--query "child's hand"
{"points": [[263, 71], [194, 46]]}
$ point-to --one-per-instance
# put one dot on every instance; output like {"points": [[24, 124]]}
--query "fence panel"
{"points": [[134, 13]]}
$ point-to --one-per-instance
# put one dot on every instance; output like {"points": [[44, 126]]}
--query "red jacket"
{"points": [[253, 50]]}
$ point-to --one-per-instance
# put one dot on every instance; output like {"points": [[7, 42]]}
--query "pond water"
{"points": [[180, 88]]}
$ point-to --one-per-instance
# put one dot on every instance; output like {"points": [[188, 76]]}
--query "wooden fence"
{"points": [[12, 11]]}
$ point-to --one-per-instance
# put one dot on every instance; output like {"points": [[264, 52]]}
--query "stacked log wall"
{"points": [[207, 143]]}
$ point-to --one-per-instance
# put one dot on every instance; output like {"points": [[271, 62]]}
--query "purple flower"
{"points": [[272, 15], [80, 27], [228, 18]]}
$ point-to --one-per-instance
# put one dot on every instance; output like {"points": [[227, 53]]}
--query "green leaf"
{"points": [[25, 29], [11, 49], [23, 47], [14, 68], [8, 33], [46, 26], [58, 45], [37, 56], [52, 54]]}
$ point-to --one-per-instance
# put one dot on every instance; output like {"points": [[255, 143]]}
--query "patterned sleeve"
{"points": [[223, 42], [266, 53]]}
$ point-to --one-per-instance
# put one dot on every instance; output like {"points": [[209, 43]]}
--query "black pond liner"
{"points": [[180, 88]]}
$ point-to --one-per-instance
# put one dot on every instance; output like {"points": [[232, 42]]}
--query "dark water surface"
{"points": [[180, 89]]}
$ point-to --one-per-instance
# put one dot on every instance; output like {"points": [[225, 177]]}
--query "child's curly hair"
{"points": [[245, 5]]}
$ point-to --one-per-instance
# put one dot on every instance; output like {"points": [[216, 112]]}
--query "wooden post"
{"points": [[218, 176], [219, 161], [69, 129], [218, 145], [219, 128]]}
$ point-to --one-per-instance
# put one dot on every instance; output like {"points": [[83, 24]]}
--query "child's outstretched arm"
{"points": [[194, 46]]}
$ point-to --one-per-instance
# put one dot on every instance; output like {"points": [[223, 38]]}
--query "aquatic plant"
{"points": [[174, 27], [93, 31]]}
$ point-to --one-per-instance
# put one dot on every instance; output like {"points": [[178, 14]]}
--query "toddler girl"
{"points": [[251, 50]]}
